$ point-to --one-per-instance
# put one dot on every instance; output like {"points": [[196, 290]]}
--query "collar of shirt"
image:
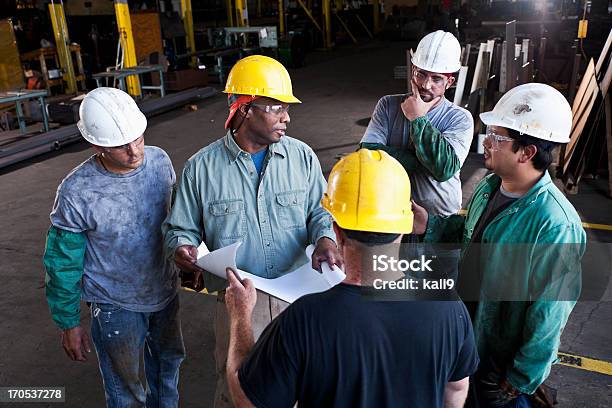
{"points": [[235, 150], [493, 180]]}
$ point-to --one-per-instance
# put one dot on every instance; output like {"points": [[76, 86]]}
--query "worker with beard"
{"points": [[423, 130], [257, 186], [430, 136]]}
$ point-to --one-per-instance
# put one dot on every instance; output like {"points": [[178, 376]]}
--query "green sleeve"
{"points": [[444, 229], [433, 151], [556, 276], [406, 157], [63, 260]]}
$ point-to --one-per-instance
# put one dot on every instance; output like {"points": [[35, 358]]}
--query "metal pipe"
{"points": [[510, 55], [309, 14], [55, 139], [365, 27], [346, 28]]}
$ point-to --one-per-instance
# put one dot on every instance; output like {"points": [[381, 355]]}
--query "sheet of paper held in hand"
{"points": [[289, 287]]}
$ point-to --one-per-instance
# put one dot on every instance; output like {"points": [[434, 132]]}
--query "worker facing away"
{"points": [[423, 130], [337, 349], [105, 247], [517, 214], [255, 185]]}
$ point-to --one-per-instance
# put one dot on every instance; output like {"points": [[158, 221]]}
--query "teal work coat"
{"points": [[533, 253]]}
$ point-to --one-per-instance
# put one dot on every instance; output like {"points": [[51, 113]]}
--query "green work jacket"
{"points": [[533, 251]]}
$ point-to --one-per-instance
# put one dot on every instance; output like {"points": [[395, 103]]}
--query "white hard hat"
{"points": [[110, 118], [438, 52], [533, 109]]}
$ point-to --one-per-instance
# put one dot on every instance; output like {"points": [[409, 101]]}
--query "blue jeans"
{"points": [[522, 401], [119, 337]]}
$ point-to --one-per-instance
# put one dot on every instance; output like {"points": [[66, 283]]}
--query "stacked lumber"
{"points": [[591, 122]]}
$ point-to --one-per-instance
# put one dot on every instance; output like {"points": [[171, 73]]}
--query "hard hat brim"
{"points": [[288, 99], [142, 122], [456, 68], [491, 119], [285, 99]]}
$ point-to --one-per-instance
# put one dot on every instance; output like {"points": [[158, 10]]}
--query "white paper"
{"points": [[289, 287]]}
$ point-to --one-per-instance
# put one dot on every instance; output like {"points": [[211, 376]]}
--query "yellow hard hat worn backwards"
{"points": [[369, 190]]}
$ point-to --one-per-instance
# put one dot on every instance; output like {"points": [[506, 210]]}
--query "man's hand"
{"points": [[76, 342], [494, 388], [326, 250], [240, 296], [420, 219], [185, 258], [414, 107]]}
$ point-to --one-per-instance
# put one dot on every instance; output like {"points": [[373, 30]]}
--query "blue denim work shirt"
{"points": [[221, 200]]}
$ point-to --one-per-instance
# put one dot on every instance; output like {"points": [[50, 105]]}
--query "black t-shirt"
{"points": [[338, 349], [499, 202], [470, 273]]}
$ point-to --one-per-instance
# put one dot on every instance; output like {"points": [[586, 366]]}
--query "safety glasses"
{"points": [[276, 110], [496, 139], [421, 77]]}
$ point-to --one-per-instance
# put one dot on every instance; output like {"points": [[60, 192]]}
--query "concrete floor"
{"points": [[339, 91]]}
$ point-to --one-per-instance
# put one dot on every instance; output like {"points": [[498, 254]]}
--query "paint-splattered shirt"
{"points": [[121, 217]]}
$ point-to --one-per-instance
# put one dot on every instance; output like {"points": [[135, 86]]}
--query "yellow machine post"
{"points": [[376, 20], [62, 41], [327, 15], [281, 17], [188, 23], [230, 13], [242, 13], [124, 25]]}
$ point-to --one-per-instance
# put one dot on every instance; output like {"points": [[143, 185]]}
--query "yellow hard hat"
{"points": [[368, 190], [258, 75]]}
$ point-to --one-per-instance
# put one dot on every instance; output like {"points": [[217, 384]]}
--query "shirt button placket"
{"points": [[264, 226]]}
